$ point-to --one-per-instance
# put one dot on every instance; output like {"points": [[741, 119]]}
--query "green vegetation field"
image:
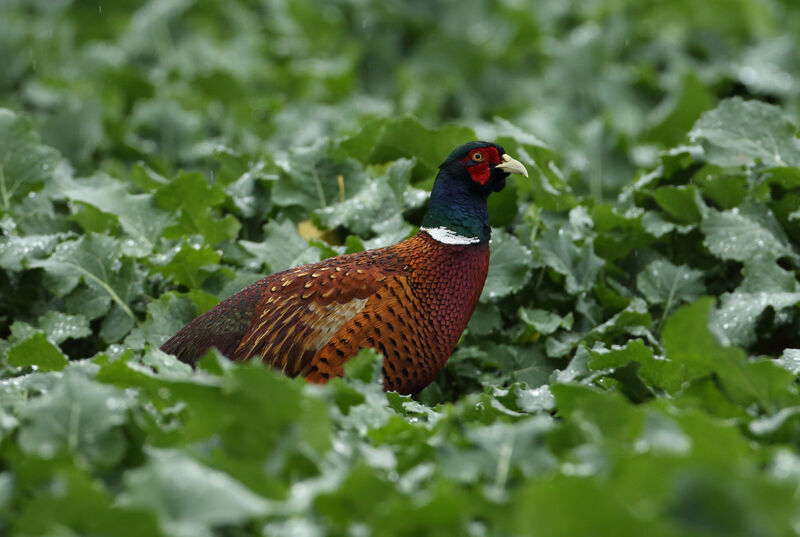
{"points": [[631, 369]]}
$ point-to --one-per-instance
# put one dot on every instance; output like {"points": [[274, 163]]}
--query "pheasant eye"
{"points": [[477, 156]]}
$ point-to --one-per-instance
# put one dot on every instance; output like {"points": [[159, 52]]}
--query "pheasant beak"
{"points": [[511, 165]]}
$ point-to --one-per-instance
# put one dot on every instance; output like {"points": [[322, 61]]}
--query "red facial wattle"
{"points": [[479, 163]]}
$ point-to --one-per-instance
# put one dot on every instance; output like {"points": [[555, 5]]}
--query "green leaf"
{"points": [[765, 284], [634, 351], [365, 366], [633, 320], [693, 353], [543, 321], [406, 137], [71, 500], [485, 319], [661, 282], [617, 232], [310, 177], [283, 247], [187, 497], [195, 200], [25, 164], [37, 352], [367, 210], [680, 202], [189, 263], [17, 252], [509, 266], [790, 360], [579, 264], [79, 416], [360, 213], [165, 316], [60, 326], [75, 129], [95, 260], [565, 410], [673, 117], [742, 234], [140, 218], [748, 133]]}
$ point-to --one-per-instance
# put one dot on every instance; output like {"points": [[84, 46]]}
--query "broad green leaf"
{"points": [[618, 232], [310, 177], [693, 353], [78, 416], [765, 285], [365, 366], [509, 266], [406, 137], [79, 504], [376, 208], [25, 164], [364, 210], [187, 497], [766, 66], [38, 353], [389, 231], [485, 319], [76, 129], [748, 133], [536, 399], [579, 264], [728, 190], [634, 351], [282, 248], [680, 202], [138, 215], [160, 126], [790, 360], [657, 226], [165, 316], [95, 260], [616, 417], [196, 201], [744, 234], [189, 263], [673, 117], [543, 321], [564, 410], [61, 326], [17, 252], [634, 320], [661, 282], [506, 132]]}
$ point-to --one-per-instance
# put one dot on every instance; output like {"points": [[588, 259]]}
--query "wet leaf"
{"points": [[509, 266], [748, 133], [78, 416]]}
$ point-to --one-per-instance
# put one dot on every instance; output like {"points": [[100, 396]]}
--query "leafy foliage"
{"points": [[630, 369]]}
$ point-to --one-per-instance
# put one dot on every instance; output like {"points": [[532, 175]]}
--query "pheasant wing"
{"points": [[301, 310]]}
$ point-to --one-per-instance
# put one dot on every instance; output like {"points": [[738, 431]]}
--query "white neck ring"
{"points": [[448, 236]]}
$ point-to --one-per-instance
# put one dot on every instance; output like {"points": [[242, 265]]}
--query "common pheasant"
{"points": [[410, 301]]}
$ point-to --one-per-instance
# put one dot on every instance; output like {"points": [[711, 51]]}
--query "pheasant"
{"points": [[410, 301]]}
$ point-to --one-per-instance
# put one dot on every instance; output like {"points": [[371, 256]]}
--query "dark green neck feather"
{"points": [[459, 206]]}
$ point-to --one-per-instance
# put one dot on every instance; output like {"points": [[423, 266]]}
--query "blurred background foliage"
{"points": [[631, 367], [607, 82]]}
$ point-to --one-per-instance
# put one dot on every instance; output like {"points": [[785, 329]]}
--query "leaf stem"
{"points": [[3, 192], [107, 288], [668, 304]]}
